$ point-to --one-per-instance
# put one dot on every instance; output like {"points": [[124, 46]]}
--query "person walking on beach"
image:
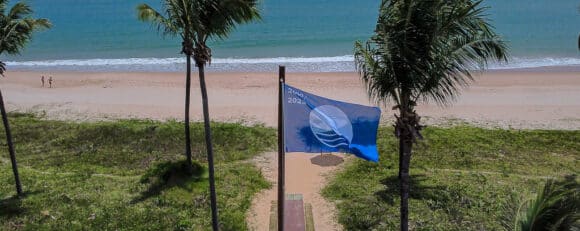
{"points": [[42, 80], [50, 81]]}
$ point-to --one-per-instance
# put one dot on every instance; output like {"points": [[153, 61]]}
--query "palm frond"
{"points": [[428, 49], [18, 11], [146, 13], [3, 7], [17, 26], [555, 207], [374, 70], [513, 210], [196, 21], [228, 14], [40, 24], [463, 43]]}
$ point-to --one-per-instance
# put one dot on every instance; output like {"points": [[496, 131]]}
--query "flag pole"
{"points": [[281, 151]]}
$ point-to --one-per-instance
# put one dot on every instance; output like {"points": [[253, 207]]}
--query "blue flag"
{"points": [[316, 124]]}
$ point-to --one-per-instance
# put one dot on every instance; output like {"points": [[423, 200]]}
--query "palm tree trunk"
{"points": [[208, 144], [400, 157], [406, 144], [187, 102], [10, 146]]}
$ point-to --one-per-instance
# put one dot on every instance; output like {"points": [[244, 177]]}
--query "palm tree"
{"points": [[423, 50], [197, 21], [556, 207], [16, 28]]}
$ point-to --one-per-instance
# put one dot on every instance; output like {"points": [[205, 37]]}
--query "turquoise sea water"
{"points": [[305, 35]]}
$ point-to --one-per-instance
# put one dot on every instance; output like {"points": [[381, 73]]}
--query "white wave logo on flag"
{"points": [[331, 126]]}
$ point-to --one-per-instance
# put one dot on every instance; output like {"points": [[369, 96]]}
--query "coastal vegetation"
{"points": [[16, 28], [197, 21], [121, 175], [107, 175], [556, 207], [463, 178], [423, 51]]}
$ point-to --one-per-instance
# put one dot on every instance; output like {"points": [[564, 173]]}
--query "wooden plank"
{"points": [[273, 216], [309, 218], [294, 213]]}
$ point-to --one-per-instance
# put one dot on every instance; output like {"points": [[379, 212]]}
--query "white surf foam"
{"points": [[163, 61], [519, 63], [298, 64]]}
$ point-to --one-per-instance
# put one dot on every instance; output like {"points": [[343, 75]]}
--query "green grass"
{"points": [[114, 175], [462, 178], [120, 176]]}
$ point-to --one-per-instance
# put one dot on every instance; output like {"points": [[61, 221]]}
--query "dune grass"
{"points": [[121, 175], [462, 178]]}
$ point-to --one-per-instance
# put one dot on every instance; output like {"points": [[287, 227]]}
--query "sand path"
{"points": [[302, 177]]}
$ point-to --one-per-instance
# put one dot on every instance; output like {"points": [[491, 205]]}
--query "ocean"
{"points": [[304, 35]]}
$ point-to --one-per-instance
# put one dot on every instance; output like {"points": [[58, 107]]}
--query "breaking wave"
{"points": [[294, 64]]}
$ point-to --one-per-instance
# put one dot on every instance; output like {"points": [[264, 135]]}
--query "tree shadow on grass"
{"points": [[12, 206], [418, 189], [167, 175], [451, 199]]}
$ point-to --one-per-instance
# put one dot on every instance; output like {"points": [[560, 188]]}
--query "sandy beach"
{"points": [[520, 99]]}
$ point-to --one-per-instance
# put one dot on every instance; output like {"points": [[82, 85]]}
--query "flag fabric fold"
{"points": [[316, 124]]}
